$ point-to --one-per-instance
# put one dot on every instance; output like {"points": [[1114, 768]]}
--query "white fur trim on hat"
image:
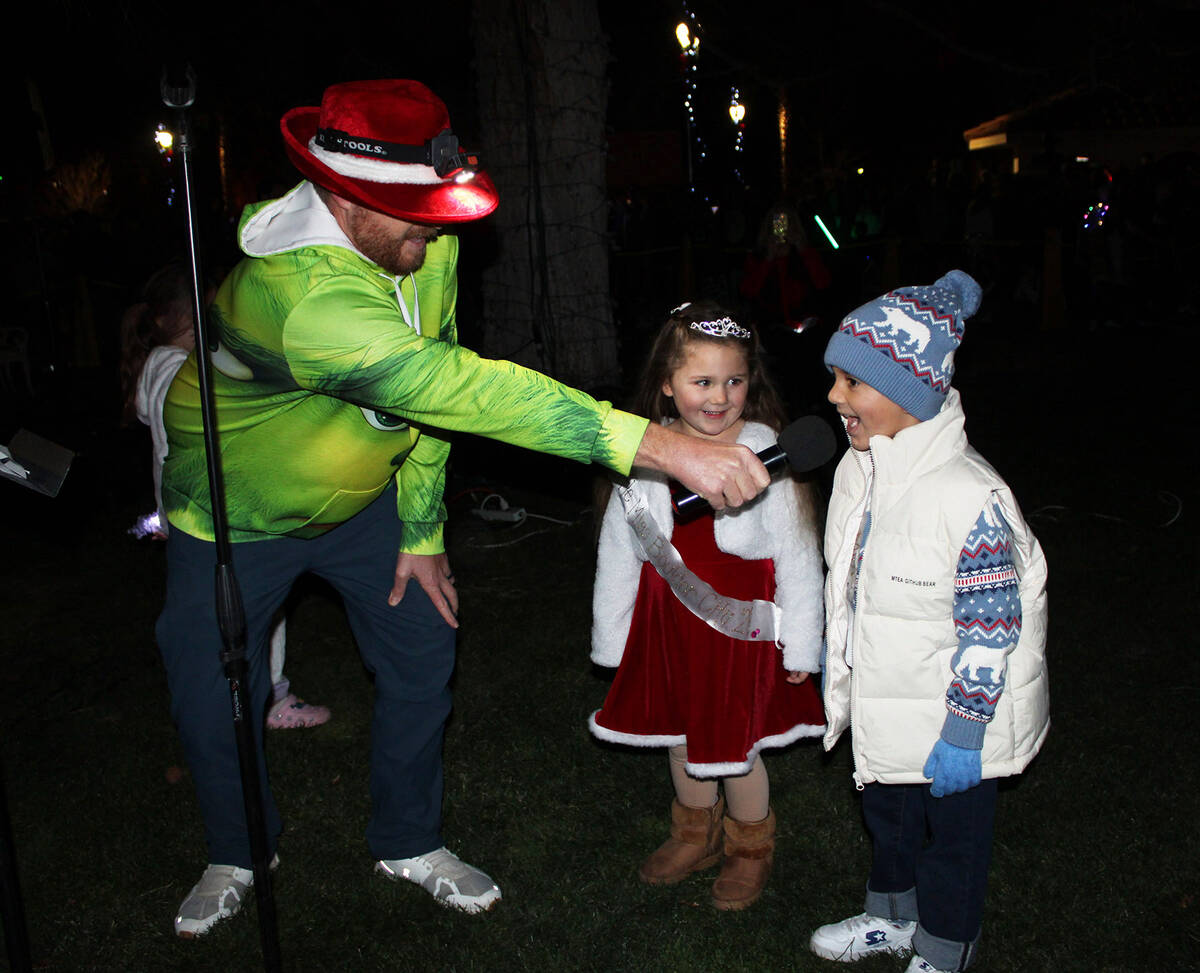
{"points": [[376, 170]]}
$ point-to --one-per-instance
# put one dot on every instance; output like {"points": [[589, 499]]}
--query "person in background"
{"points": [[157, 333]]}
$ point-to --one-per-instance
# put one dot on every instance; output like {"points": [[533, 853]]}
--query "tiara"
{"points": [[721, 328]]}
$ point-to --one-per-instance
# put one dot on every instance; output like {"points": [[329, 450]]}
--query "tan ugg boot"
{"points": [[749, 852], [695, 843]]}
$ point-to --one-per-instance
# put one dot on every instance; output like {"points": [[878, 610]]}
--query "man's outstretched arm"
{"points": [[724, 474]]}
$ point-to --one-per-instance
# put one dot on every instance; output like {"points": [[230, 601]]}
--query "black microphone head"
{"points": [[808, 442]]}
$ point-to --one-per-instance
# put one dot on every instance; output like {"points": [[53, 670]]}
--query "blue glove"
{"points": [[952, 769]]}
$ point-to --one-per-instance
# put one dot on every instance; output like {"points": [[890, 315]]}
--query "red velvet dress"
{"points": [[682, 681]]}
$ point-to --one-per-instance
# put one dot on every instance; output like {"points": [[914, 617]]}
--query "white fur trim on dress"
{"points": [[798, 732], [633, 739], [376, 170]]}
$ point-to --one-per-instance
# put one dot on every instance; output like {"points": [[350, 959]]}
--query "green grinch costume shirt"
{"points": [[333, 377]]}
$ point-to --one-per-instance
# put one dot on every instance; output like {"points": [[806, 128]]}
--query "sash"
{"points": [[751, 621]]}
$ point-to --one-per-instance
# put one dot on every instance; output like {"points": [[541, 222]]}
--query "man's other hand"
{"points": [[432, 572]]}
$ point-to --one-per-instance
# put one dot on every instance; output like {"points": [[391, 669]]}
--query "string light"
{"points": [[164, 140], [1093, 219], [737, 112], [686, 33], [683, 35]]}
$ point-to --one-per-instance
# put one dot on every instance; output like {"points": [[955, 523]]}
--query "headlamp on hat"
{"points": [[442, 152], [448, 158]]}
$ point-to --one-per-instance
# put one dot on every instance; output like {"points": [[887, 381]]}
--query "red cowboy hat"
{"points": [[387, 145]]}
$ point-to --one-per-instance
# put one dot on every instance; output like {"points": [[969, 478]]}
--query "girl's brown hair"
{"points": [[163, 310], [669, 352]]}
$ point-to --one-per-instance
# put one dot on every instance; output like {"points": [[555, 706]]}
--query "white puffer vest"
{"points": [[926, 493]]}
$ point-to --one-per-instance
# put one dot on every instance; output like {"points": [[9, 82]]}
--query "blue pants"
{"points": [[408, 648], [930, 863]]}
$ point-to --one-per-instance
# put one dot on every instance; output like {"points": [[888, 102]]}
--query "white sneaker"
{"points": [[860, 936], [218, 895], [918, 965], [451, 881]]}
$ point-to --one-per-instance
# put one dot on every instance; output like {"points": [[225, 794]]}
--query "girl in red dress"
{"points": [[714, 624]]}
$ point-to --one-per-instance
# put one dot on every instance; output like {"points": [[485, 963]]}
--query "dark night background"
{"points": [[886, 86]]}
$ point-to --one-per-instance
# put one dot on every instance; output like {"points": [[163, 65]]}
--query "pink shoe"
{"points": [[292, 713]]}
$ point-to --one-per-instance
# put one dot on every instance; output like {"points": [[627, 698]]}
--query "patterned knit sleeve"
{"points": [[987, 620]]}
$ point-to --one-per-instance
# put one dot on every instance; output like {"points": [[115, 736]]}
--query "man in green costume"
{"points": [[337, 371]]}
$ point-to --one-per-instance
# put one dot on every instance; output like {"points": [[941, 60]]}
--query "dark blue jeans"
{"points": [[408, 648], [930, 863]]}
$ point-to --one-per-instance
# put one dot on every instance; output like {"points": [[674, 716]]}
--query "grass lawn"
{"points": [[1096, 845]]}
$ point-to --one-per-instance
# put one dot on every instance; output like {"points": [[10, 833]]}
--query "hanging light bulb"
{"points": [[164, 139], [687, 43]]}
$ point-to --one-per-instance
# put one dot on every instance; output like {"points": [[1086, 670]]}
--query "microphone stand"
{"points": [[231, 617]]}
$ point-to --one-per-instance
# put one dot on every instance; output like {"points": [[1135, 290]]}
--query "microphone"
{"points": [[804, 445]]}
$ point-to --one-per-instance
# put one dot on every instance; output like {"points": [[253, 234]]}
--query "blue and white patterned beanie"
{"points": [[903, 344]]}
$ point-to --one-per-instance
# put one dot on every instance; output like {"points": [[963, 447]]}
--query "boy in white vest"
{"points": [[935, 624]]}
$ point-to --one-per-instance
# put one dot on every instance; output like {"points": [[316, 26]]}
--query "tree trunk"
{"points": [[542, 100]]}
